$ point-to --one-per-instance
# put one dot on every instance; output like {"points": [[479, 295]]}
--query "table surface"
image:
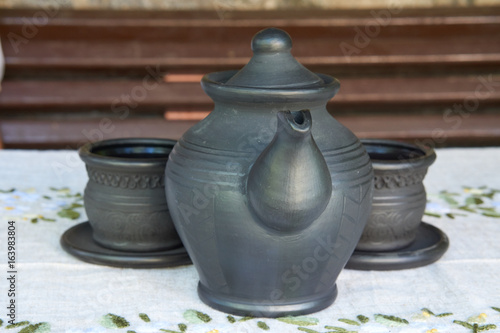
{"points": [[55, 292]]}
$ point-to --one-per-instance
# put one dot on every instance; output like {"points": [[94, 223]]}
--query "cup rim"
{"points": [[88, 155], [426, 155]]}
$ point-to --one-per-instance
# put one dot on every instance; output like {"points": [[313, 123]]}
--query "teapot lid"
{"points": [[272, 64]]}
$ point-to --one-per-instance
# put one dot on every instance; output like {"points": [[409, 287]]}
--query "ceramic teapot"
{"points": [[269, 193]]}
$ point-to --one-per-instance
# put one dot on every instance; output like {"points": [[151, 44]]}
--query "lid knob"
{"points": [[271, 40], [272, 64]]}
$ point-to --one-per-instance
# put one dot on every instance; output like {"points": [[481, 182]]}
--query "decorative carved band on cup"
{"points": [[399, 180], [129, 181]]}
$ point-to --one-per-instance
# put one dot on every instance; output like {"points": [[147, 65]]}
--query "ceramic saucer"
{"points": [[78, 242], [429, 245]]}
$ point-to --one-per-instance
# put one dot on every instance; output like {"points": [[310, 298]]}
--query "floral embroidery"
{"points": [[20, 204], [476, 323], [63, 203], [482, 200]]}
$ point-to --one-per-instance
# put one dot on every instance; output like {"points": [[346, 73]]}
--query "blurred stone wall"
{"points": [[242, 4]]}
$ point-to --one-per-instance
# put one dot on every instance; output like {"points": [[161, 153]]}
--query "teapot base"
{"points": [[271, 309]]}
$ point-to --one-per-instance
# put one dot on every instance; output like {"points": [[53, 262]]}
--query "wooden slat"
{"points": [[103, 93], [372, 92], [43, 134], [312, 53], [478, 129], [181, 40]]}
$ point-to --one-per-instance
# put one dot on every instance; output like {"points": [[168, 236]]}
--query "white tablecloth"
{"points": [[56, 292]]}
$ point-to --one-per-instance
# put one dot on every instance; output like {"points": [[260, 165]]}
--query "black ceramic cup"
{"points": [[399, 197], [125, 196]]}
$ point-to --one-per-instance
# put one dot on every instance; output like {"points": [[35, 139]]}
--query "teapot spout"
{"points": [[289, 185]]}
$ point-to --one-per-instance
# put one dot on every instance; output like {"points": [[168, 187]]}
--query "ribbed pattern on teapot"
{"points": [[215, 167], [342, 171]]}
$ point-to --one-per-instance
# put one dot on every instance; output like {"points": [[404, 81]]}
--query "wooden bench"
{"points": [[421, 76]]}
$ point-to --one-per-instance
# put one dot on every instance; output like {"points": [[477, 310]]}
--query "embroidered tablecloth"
{"points": [[55, 292]]}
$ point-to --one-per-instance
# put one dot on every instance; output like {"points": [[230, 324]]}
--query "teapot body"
{"points": [[244, 267]]}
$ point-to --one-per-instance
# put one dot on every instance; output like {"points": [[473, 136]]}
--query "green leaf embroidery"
{"points": [[299, 320], [8, 191], [488, 209], [349, 321], [182, 327], [77, 196], [246, 318], [448, 197], [495, 308], [196, 317], [47, 219], [34, 220], [62, 189], [307, 330], [19, 324], [488, 195], [473, 201], [428, 311], [339, 329], [68, 213], [336, 329], [363, 319], [46, 197], [262, 325], [455, 214], [1, 322], [36, 328], [391, 321], [491, 214], [432, 214], [144, 317], [463, 323], [75, 205], [487, 327], [131, 331], [168, 331], [113, 321], [467, 209], [231, 319]]}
